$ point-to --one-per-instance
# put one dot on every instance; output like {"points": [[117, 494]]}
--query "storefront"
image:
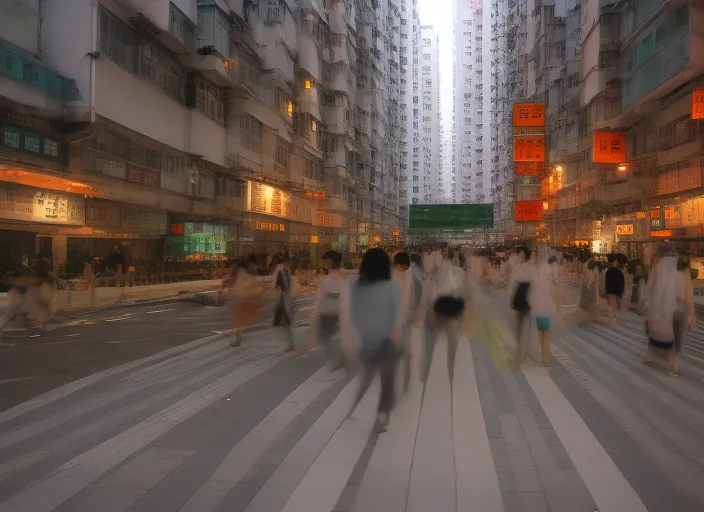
{"points": [[36, 208], [261, 234], [199, 241], [139, 234], [34, 221], [275, 220]]}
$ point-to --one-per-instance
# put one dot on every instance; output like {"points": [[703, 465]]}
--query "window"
{"points": [[118, 42], [173, 165], [283, 104], [682, 17], [283, 153], [209, 100], [154, 159], [247, 70], [161, 69], [251, 133], [182, 27]]}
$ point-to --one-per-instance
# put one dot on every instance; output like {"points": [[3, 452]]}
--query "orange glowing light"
{"points": [[307, 84], [48, 182]]}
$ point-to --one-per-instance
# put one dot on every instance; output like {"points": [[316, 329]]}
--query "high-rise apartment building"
{"points": [[473, 151], [411, 110], [198, 129], [431, 131]]}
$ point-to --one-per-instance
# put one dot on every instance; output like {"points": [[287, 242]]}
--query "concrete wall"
{"points": [[19, 23], [69, 55]]}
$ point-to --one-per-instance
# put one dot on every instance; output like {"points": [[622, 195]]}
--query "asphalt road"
{"points": [[83, 344]]}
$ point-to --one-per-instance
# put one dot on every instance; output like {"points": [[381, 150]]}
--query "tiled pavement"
{"points": [[204, 427]]}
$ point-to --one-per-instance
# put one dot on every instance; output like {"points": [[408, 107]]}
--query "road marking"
{"points": [[19, 379], [607, 485], [113, 342], [158, 311], [82, 470], [118, 318]]}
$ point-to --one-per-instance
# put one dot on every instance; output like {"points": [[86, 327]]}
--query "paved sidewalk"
{"points": [[208, 428]]}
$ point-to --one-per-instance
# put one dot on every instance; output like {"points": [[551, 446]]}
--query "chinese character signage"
{"points": [[269, 226], [698, 103], [624, 229], [529, 115], [31, 142], [34, 205], [529, 149], [529, 169], [678, 181], [528, 211], [318, 195], [609, 148]]}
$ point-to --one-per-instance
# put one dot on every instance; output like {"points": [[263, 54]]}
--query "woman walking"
{"points": [[523, 275], [668, 307], [283, 314], [371, 323], [546, 300]]}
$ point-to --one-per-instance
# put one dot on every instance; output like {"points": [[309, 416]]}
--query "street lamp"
{"points": [[558, 169]]}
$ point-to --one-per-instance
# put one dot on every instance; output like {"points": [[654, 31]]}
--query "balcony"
{"points": [[657, 64], [26, 81], [173, 23]]}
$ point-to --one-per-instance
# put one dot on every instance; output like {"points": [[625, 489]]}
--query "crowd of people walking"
{"points": [[435, 290]]}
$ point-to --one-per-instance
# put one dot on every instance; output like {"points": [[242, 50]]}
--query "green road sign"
{"points": [[450, 218]]}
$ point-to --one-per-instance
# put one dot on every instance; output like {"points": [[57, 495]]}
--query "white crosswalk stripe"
{"points": [[152, 432]]}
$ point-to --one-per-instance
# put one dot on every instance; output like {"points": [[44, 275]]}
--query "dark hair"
{"points": [[402, 258], [450, 253], [375, 266], [552, 259], [591, 265], [334, 257], [243, 263], [525, 250]]}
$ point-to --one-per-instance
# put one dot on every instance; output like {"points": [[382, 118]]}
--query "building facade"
{"points": [[626, 71], [192, 130], [473, 151], [431, 129]]}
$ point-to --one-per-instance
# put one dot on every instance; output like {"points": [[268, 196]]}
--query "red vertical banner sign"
{"points": [[698, 103]]}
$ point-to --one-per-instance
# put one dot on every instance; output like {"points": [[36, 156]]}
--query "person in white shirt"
{"points": [[446, 298], [407, 282], [523, 275], [546, 300], [326, 317]]}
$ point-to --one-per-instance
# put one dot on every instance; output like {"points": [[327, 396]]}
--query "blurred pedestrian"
{"points": [[615, 287], [326, 318], [283, 311], [371, 322], [404, 278], [447, 297], [589, 294], [545, 301], [247, 300], [523, 276], [669, 307]]}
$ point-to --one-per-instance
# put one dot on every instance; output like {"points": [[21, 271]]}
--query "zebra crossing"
{"points": [[208, 428]]}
